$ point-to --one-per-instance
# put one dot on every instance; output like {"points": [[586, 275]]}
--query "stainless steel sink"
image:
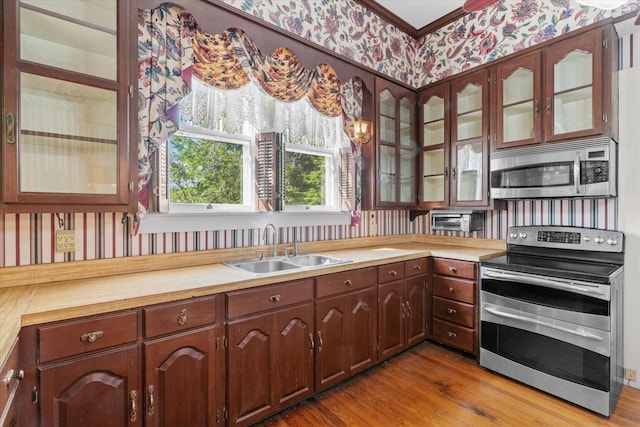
{"points": [[314, 260], [284, 263]]}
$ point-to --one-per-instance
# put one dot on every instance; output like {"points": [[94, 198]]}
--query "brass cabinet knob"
{"points": [[91, 337], [182, 317]]}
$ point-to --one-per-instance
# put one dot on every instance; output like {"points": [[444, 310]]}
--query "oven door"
{"points": [[542, 329]]}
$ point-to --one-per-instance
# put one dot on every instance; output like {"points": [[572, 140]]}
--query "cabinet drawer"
{"points": [[174, 317], [390, 272], [337, 283], [457, 289], [453, 311], [8, 389], [454, 335], [452, 267], [249, 301], [415, 267], [86, 335]]}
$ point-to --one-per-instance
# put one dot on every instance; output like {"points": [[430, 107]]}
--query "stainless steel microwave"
{"points": [[586, 168]]}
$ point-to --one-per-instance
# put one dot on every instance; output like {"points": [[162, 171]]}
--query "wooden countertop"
{"points": [[69, 297]]}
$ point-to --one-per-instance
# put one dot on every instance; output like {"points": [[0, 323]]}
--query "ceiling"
{"points": [[416, 17]]}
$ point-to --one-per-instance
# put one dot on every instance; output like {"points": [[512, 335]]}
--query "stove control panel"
{"points": [[577, 238]]}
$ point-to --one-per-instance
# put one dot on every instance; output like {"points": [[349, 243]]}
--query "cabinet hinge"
{"points": [[35, 396], [131, 91], [605, 117], [225, 414], [130, 186], [225, 342], [605, 43]]}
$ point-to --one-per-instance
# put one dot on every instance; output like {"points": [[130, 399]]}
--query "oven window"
{"points": [[557, 174], [548, 355], [547, 296]]}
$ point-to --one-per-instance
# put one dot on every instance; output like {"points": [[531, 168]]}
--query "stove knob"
{"points": [[598, 239], [586, 238], [513, 235], [523, 235], [611, 241]]}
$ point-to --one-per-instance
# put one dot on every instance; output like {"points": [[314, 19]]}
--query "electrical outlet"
{"points": [[373, 226], [65, 241], [630, 374]]}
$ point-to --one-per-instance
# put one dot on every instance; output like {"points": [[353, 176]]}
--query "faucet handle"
{"points": [[288, 253], [262, 253]]}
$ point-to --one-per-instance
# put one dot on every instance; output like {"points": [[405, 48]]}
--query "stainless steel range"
{"points": [[551, 313]]}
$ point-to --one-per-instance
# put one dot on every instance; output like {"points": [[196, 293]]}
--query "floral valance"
{"points": [[171, 47]]}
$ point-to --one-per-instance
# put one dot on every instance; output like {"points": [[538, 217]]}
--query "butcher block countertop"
{"points": [[37, 294]]}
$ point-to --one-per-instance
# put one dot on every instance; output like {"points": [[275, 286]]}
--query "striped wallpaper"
{"points": [[29, 238]]}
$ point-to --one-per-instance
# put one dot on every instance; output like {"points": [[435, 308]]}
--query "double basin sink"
{"points": [[279, 264]]}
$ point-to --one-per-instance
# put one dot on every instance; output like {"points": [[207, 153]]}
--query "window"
{"points": [[309, 182]]}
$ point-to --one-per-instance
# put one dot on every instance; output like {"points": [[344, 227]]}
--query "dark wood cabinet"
{"points": [[345, 322], [455, 304], [270, 354], [11, 375], [556, 93], [68, 115], [102, 390], [402, 306], [393, 154]]}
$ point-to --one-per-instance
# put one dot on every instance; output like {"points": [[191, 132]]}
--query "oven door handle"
{"points": [[576, 172], [550, 283], [580, 333]]}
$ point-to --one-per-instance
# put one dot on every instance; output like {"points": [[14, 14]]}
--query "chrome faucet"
{"points": [[275, 235]]}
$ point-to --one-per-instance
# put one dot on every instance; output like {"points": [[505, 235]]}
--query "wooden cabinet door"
{"points": [[574, 87], [361, 336], [391, 319], [295, 354], [98, 391], [416, 322], [469, 140], [180, 380], [518, 102], [332, 357], [251, 357]]}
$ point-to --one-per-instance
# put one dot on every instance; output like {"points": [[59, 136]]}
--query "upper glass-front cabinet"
{"points": [[65, 102], [396, 174], [469, 140], [573, 94]]}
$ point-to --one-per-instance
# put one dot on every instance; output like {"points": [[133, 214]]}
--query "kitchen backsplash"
{"points": [[29, 238]]}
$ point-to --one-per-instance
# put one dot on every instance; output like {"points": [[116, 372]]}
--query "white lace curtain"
{"points": [[228, 110]]}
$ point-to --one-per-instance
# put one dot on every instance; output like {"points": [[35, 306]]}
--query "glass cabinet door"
{"points": [[435, 140], [574, 88], [518, 102], [396, 165], [66, 96], [469, 140]]}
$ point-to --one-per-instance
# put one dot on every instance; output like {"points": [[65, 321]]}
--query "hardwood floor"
{"points": [[430, 385]]}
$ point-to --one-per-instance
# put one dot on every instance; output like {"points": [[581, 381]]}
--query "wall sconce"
{"points": [[361, 131]]}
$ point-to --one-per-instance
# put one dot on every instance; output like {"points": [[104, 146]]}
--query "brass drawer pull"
{"points": [[393, 273], [150, 402], [451, 334], [133, 406], [182, 317], [453, 269], [451, 311], [91, 337], [451, 290], [348, 282], [319, 341], [311, 343], [275, 298], [417, 267]]}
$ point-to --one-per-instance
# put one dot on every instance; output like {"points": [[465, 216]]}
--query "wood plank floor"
{"points": [[430, 385]]}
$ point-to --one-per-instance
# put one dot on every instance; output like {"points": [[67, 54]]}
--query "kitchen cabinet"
{"points": [[10, 381], [68, 108], [89, 372], [556, 93], [270, 350], [395, 146], [455, 304], [454, 143], [402, 306], [183, 365], [345, 322]]}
